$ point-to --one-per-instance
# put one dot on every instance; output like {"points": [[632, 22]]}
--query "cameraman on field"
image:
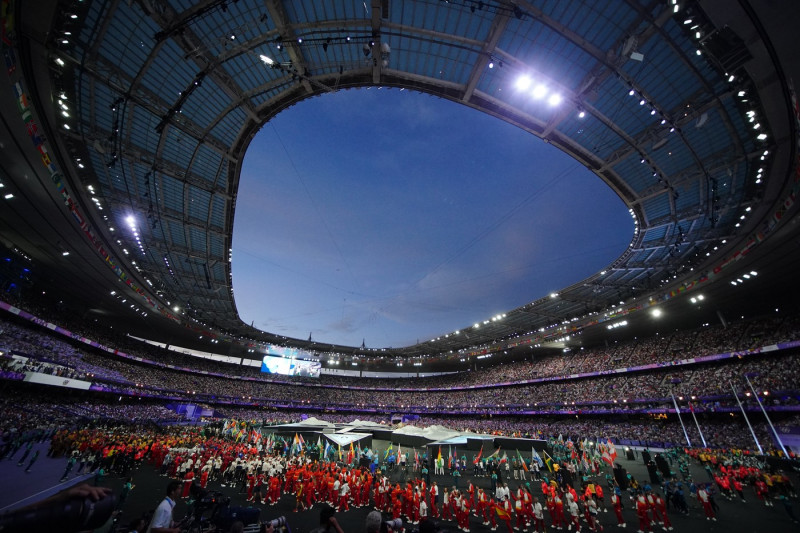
{"points": [[162, 521]]}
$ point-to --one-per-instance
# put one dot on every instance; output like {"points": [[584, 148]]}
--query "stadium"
{"points": [[669, 372]]}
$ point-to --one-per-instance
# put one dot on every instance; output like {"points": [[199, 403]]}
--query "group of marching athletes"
{"points": [[415, 500], [266, 478]]}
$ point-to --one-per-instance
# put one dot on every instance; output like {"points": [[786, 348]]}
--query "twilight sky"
{"points": [[393, 217]]}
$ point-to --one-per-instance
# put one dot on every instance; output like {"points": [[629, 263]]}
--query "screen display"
{"points": [[289, 366]]}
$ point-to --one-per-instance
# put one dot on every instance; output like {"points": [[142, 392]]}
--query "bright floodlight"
{"points": [[267, 60], [131, 221], [540, 91], [554, 99], [523, 82], [656, 312]]}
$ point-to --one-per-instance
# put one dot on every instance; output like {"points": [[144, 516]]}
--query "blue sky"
{"points": [[393, 217]]}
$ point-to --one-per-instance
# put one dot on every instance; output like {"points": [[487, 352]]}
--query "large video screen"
{"points": [[287, 364]]}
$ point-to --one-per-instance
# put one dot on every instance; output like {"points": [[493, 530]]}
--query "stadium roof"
{"points": [[148, 106]]}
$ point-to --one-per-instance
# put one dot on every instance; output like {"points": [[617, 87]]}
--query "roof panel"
{"points": [[657, 206], [169, 73], [129, 41], [171, 191], [198, 239], [199, 204], [179, 146]]}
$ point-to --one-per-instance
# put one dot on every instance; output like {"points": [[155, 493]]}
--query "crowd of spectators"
{"points": [[630, 405], [774, 375], [27, 416]]}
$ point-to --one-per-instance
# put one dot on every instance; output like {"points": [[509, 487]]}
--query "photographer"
{"points": [[162, 519], [327, 522]]}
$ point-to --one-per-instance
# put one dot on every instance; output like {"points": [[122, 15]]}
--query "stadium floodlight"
{"points": [[554, 99], [524, 82], [539, 92]]}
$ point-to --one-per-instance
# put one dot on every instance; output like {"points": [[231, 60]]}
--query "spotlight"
{"points": [[523, 82], [540, 91], [554, 99]]}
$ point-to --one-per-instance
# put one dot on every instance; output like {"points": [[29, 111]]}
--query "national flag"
{"points": [[504, 458], [502, 513], [340, 451], [548, 461], [612, 450], [478, 457], [327, 450], [449, 457], [388, 451], [438, 457], [496, 453], [522, 461], [536, 457], [319, 443], [399, 451], [610, 453]]}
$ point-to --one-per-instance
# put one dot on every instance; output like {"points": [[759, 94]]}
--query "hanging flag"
{"points": [[478, 457]]}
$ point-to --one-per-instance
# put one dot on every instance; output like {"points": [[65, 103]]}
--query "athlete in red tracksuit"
{"points": [[616, 503]]}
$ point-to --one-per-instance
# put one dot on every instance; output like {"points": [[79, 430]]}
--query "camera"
{"points": [[276, 523], [220, 513], [393, 525]]}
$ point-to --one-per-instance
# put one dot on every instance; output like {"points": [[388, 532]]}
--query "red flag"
{"points": [[478, 458]]}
